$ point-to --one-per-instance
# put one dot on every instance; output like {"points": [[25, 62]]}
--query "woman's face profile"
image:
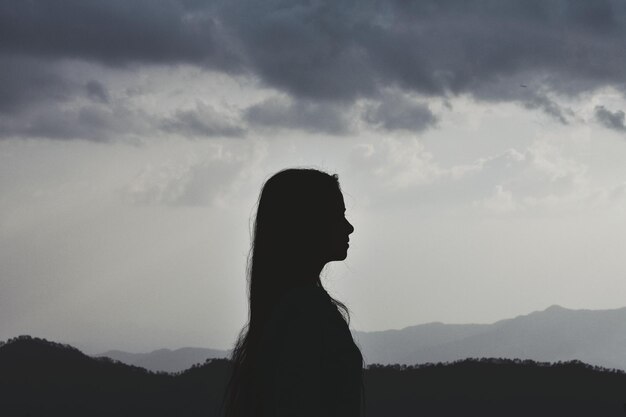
{"points": [[335, 242]]}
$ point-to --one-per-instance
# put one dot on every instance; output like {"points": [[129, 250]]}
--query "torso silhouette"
{"points": [[310, 365]]}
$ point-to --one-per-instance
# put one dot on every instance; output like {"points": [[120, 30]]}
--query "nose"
{"points": [[350, 227]]}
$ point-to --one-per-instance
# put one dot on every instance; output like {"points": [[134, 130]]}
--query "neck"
{"points": [[311, 273], [298, 272]]}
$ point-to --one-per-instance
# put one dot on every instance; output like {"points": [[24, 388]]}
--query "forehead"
{"points": [[337, 201]]}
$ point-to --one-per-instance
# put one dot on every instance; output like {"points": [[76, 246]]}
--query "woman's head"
{"points": [[300, 223]]}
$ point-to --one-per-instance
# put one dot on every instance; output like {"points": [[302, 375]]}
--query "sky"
{"points": [[480, 146]]}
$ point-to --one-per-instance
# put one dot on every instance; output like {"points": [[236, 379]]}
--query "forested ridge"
{"points": [[43, 378]]}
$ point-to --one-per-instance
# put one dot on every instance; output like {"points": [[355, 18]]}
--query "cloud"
{"points": [[316, 53], [325, 117], [104, 119], [94, 121], [203, 121], [351, 49], [395, 164], [96, 91], [27, 81], [501, 201], [539, 177], [612, 120], [116, 32], [400, 113], [211, 178], [550, 107], [41, 90]]}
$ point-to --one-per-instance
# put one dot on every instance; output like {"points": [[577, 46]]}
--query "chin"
{"points": [[340, 257]]}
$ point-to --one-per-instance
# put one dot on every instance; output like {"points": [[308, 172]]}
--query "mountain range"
{"points": [[555, 334], [43, 378], [166, 360], [597, 337]]}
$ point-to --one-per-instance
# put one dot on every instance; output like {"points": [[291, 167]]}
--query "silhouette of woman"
{"points": [[295, 356]]}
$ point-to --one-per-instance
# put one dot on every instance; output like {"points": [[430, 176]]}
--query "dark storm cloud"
{"points": [[300, 114], [321, 52], [549, 107], [94, 121], [24, 81], [36, 35], [612, 120], [104, 122], [398, 113], [343, 50], [96, 91], [115, 32]]}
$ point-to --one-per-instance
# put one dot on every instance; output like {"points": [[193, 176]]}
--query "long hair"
{"points": [[291, 210]]}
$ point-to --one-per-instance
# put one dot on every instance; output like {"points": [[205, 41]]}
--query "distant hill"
{"points": [[597, 337], [396, 346], [42, 378], [166, 360]]}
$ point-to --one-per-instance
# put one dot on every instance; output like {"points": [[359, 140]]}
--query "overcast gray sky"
{"points": [[480, 146]]}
